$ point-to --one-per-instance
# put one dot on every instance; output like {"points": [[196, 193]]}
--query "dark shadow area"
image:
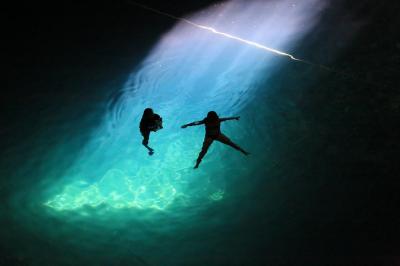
{"points": [[341, 185]]}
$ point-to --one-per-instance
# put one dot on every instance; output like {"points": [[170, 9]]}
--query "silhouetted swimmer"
{"points": [[213, 132], [149, 122]]}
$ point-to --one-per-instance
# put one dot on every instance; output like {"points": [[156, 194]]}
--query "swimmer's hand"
{"points": [[193, 124], [237, 117]]}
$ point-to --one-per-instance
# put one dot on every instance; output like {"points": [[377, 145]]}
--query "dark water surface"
{"points": [[320, 187]]}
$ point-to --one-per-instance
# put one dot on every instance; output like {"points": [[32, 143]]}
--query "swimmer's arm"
{"points": [[193, 124], [229, 118]]}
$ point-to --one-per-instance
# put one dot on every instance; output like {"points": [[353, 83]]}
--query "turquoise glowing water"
{"points": [[94, 186], [188, 73]]}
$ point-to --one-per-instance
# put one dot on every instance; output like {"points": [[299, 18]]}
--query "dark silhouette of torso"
{"points": [[152, 123], [213, 127]]}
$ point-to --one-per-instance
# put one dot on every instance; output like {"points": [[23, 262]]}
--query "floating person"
{"points": [[149, 122], [212, 123]]}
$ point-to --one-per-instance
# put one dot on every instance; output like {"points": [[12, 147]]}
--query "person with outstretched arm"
{"points": [[213, 132]]}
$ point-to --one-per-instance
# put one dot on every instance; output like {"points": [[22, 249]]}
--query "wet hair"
{"points": [[212, 116], [148, 112]]}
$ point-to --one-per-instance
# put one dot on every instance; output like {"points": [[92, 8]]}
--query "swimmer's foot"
{"points": [[245, 152], [151, 152]]}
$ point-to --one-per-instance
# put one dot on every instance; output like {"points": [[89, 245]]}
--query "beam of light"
{"points": [[210, 29], [257, 45], [248, 42]]}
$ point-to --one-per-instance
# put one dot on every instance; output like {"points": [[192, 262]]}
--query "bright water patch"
{"points": [[188, 73]]}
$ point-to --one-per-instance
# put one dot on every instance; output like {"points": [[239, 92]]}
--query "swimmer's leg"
{"points": [[145, 142], [224, 139], [206, 144]]}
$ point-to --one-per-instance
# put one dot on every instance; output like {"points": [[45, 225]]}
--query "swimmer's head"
{"points": [[212, 116], [148, 112]]}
